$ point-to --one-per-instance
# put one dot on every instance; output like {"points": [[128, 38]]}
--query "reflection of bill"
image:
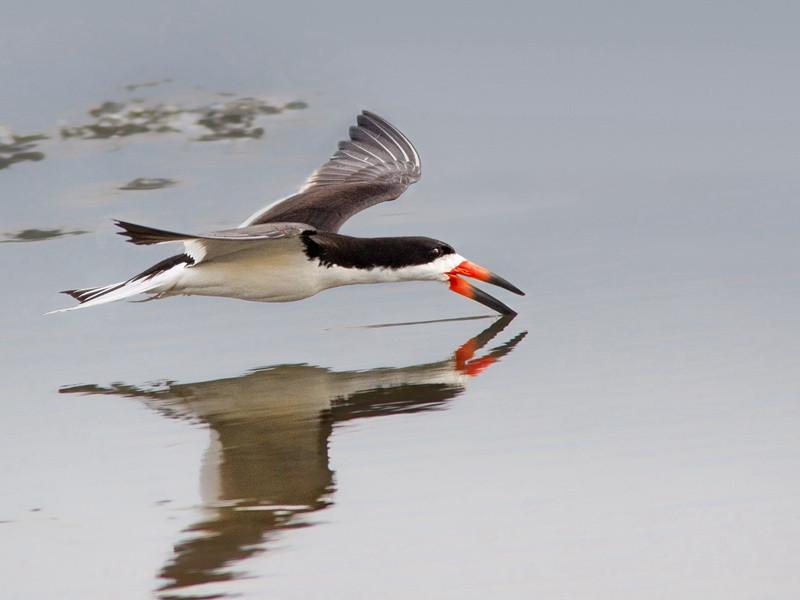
{"points": [[268, 457]]}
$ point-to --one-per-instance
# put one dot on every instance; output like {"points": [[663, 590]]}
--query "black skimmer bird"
{"points": [[291, 249]]}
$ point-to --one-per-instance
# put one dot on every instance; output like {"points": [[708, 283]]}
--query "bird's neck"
{"points": [[335, 250], [345, 260]]}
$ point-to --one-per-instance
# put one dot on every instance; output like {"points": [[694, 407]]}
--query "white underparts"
{"points": [[281, 275]]}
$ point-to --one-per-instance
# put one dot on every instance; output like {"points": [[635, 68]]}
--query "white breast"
{"points": [[281, 272], [277, 272], [334, 276]]}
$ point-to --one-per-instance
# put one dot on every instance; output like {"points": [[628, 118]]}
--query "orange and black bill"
{"points": [[460, 286]]}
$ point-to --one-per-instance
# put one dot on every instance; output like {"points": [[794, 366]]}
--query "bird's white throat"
{"points": [[335, 276]]}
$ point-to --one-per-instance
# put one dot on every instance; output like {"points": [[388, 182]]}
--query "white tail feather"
{"points": [[119, 291]]}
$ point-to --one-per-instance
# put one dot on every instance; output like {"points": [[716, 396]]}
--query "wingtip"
{"points": [[61, 310], [126, 229], [374, 117], [129, 230], [124, 225]]}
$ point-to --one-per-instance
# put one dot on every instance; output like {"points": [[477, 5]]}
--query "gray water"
{"points": [[632, 433]]}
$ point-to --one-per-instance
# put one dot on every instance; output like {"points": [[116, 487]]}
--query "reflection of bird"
{"points": [[291, 249], [268, 458]]}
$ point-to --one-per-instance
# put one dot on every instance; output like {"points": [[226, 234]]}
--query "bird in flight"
{"points": [[292, 249]]}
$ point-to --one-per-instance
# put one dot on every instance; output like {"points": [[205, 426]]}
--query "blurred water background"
{"points": [[632, 433]]}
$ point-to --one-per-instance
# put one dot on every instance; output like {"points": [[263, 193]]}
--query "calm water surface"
{"points": [[631, 434]]}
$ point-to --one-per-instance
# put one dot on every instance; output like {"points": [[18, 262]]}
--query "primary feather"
{"points": [[376, 164]]}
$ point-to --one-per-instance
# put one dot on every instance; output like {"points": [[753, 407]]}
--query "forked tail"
{"points": [[157, 278]]}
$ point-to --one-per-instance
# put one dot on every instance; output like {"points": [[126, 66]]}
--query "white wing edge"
{"points": [[256, 215]]}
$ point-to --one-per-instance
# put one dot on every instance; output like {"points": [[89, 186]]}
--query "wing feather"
{"points": [[376, 164], [207, 246]]}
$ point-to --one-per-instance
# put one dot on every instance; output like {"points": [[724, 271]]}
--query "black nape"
{"points": [[369, 253]]}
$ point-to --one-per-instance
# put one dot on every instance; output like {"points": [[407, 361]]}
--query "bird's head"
{"points": [[433, 259]]}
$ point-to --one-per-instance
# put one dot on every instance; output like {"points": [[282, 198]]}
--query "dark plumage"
{"points": [[367, 253]]}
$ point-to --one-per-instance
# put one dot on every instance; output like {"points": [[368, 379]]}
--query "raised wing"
{"points": [[376, 164], [207, 246]]}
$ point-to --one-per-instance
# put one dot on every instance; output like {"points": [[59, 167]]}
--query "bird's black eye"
{"points": [[436, 252]]}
